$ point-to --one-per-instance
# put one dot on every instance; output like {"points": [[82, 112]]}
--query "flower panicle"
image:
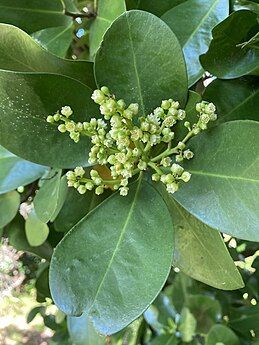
{"points": [[124, 141]]}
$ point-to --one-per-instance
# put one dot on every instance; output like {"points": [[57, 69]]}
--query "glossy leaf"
{"points": [[82, 331], [17, 238], [100, 266], [46, 199], [62, 194], [246, 5], [223, 190], [36, 231], [242, 101], [17, 172], [229, 55], [33, 15], [19, 52], [192, 22], [244, 320], [32, 97], [9, 204], [148, 65], [201, 253], [42, 284], [156, 7], [70, 214], [108, 11], [56, 40], [221, 334]]}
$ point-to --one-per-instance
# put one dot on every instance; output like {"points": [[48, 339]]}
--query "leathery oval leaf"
{"points": [[33, 15], [9, 205], [115, 261], [20, 52], [141, 60], [201, 253], [192, 22], [17, 172], [224, 188], [25, 102]]}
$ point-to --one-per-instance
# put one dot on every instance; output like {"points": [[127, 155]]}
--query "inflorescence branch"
{"points": [[124, 142]]}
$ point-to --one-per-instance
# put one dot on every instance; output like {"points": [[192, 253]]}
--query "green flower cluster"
{"points": [[124, 142]]}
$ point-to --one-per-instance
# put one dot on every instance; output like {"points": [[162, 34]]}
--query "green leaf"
{"points": [[206, 311], [62, 194], [17, 239], [201, 253], [242, 101], [36, 231], [70, 213], [244, 320], [19, 52], [47, 198], [169, 339], [156, 7], [246, 5], [192, 22], [101, 267], [9, 205], [221, 334], [82, 331], [70, 6], [229, 55], [42, 286], [187, 325], [33, 15], [56, 40], [25, 102], [223, 190], [17, 172], [108, 11], [141, 61]]}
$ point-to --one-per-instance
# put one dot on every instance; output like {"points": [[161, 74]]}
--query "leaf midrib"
{"points": [[201, 22], [135, 67], [30, 10], [58, 35], [222, 176], [253, 94], [198, 239], [118, 243]]}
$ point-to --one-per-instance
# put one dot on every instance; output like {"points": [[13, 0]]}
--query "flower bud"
{"points": [[156, 177], [172, 187], [98, 96], [124, 191], [79, 171], [50, 119], [177, 169], [165, 104], [181, 145], [186, 176], [81, 189], [62, 128], [66, 111], [142, 165], [105, 90], [99, 190], [188, 154]]}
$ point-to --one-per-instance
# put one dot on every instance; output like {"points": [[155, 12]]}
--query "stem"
{"points": [[80, 15], [169, 151], [155, 167]]}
